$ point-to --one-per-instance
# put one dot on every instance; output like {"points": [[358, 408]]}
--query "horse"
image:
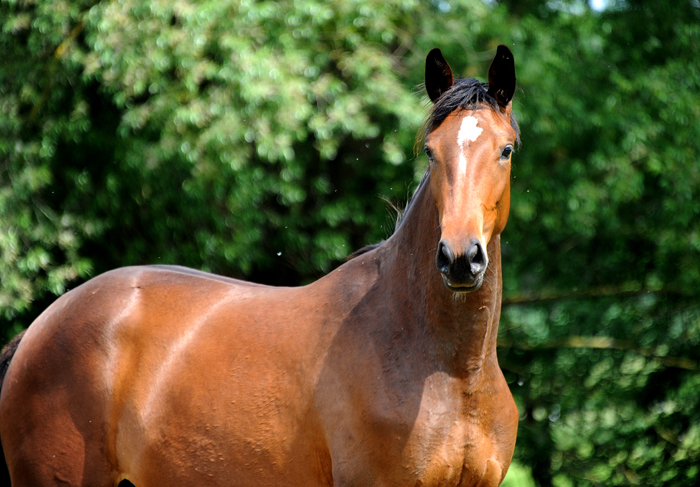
{"points": [[382, 373]]}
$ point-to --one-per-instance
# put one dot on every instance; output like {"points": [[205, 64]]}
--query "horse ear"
{"points": [[502, 76], [438, 75]]}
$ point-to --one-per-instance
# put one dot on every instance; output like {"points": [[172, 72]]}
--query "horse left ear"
{"points": [[438, 75], [502, 77]]}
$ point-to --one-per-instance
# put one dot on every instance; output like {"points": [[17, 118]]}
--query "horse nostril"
{"points": [[476, 257], [444, 258]]}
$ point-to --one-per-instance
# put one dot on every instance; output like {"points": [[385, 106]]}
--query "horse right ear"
{"points": [[438, 75]]}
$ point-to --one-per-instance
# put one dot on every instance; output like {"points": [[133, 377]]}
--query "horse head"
{"points": [[470, 136]]}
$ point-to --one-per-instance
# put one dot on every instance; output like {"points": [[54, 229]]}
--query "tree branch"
{"points": [[57, 55], [605, 343], [597, 292]]}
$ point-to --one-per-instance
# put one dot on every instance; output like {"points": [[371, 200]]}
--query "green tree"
{"points": [[600, 328], [254, 139]]}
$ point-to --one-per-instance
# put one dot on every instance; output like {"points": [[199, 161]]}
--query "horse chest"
{"points": [[441, 438], [437, 451], [451, 444]]}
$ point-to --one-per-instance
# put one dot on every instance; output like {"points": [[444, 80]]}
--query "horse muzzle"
{"points": [[462, 273]]}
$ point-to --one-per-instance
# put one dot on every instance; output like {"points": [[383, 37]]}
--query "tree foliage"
{"points": [[602, 263], [260, 139]]}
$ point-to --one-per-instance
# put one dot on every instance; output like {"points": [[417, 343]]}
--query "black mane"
{"points": [[399, 219], [466, 93]]}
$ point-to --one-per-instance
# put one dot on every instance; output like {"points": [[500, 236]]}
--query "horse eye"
{"points": [[428, 152], [507, 151]]}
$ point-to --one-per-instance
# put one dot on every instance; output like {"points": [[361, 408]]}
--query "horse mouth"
{"points": [[463, 287]]}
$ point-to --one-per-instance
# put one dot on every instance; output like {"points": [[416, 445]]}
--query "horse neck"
{"points": [[462, 328]]}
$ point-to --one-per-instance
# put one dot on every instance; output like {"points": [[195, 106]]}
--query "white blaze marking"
{"points": [[469, 132]]}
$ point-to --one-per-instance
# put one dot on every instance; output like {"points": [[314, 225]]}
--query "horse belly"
{"points": [[196, 436], [229, 408], [149, 377]]}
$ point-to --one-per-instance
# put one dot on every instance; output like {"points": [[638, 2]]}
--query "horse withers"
{"points": [[382, 373]]}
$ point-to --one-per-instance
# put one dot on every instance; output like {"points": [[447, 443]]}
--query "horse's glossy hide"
{"points": [[375, 375], [164, 376]]}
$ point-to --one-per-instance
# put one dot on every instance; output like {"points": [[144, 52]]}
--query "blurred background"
{"points": [[266, 140]]}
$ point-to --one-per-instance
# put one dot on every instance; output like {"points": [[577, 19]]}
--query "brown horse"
{"points": [[382, 373]]}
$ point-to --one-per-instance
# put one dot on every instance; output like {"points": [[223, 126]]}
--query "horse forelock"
{"points": [[466, 93]]}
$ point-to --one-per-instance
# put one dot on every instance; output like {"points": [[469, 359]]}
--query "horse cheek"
{"points": [[503, 210]]}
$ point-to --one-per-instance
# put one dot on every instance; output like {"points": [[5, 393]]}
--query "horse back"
{"points": [[135, 360]]}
